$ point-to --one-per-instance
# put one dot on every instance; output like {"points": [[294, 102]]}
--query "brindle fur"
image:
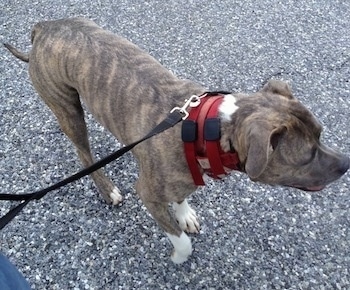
{"points": [[129, 92], [273, 117]]}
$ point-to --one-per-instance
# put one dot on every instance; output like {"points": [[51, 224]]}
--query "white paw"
{"points": [[182, 248], [178, 258], [115, 196], [186, 217]]}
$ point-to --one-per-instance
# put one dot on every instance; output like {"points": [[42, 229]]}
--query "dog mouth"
{"points": [[310, 188]]}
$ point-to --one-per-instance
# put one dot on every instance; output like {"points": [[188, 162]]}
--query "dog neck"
{"points": [[201, 134]]}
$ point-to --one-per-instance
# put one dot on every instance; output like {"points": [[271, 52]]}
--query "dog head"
{"points": [[278, 141]]}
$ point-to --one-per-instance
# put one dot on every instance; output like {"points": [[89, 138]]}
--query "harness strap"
{"points": [[201, 135], [213, 144], [171, 120], [201, 121], [191, 128]]}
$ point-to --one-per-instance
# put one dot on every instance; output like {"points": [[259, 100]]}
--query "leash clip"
{"points": [[192, 102]]}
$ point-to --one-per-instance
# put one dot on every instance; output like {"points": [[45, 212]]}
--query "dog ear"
{"points": [[278, 87], [261, 144]]}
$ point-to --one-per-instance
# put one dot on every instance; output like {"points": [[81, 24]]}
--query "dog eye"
{"points": [[275, 138], [313, 153], [311, 157]]}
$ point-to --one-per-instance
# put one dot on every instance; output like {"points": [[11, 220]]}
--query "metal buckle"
{"points": [[192, 102]]}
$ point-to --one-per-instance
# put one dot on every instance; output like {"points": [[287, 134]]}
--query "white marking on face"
{"points": [[182, 247], [186, 217], [227, 107]]}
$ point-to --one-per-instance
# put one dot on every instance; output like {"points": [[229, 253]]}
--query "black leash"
{"points": [[174, 117]]}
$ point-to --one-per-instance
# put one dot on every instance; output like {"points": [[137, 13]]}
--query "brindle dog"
{"points": [[129, 92]]}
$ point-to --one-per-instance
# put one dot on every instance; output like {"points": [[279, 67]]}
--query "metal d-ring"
{"points": [[192, 102]]}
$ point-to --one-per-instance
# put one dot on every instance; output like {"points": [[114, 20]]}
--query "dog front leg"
{"points": [[181, 242]]}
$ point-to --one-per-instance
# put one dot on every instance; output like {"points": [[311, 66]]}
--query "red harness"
{"points": [[201, 136]]}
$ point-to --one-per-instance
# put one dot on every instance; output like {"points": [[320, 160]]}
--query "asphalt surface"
{"points": [[253, 236]]}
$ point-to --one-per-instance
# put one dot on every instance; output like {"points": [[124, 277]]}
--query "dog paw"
{"points": [[182, 247], [177, 258], [186, 217], [115, 196]]}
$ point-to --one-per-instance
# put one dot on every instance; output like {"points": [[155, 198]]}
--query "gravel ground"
{"points": [[253, 236]]}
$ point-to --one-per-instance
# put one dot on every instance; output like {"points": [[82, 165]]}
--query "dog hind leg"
{"points": [[70, 115]]}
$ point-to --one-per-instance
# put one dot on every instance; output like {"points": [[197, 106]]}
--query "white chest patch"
{"points": [[227, 107]]}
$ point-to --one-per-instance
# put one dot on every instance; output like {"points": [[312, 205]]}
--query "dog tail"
{"points": [[17, 53]]}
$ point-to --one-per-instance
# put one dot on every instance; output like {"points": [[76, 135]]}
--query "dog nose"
{"points": [[344, 165]]}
